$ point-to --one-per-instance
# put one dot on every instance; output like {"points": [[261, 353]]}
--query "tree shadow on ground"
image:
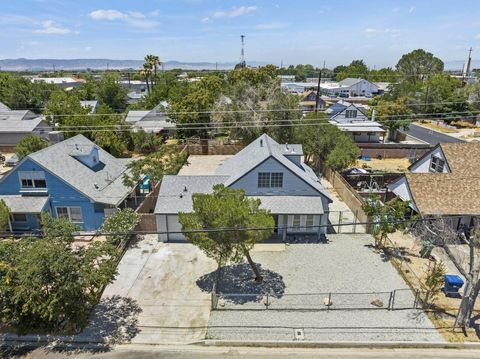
{"points": [[236, 283], [115, 320]]}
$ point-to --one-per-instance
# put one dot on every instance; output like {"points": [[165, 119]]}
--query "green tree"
{"points": [[61, 105], [388, 217], [4, 215], [47, 284], [30, 144], [19, 93], [392, 114], [111, 93], [227, 208], [356, 69], [434, 281], [419, 65], [120, 224], [192, 109], [166, 161], [344, 154]]}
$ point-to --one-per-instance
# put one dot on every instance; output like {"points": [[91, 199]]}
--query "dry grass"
{"points": [[436, 127], [413, 269], [386, 164]]}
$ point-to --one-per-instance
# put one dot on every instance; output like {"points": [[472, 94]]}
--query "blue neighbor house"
{"points": [[73, 179]]}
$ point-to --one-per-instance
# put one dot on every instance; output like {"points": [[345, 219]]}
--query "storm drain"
{"points": [[299, 334]]}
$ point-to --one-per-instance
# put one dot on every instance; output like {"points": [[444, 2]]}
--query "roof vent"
{"points": [[76, 147], [185, 189], [261, 143], [96, 186], [286, 147]]}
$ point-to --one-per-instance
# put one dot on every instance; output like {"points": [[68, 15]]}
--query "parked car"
{"points": [[12, 161]]}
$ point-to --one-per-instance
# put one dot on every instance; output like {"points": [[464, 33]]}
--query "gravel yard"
{"points": [[346, 264]]}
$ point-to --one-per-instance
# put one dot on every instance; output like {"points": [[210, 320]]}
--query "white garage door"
{"points": [[174, 226]]}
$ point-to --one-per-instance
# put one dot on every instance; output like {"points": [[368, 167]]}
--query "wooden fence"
{"points": [[347, 193]]}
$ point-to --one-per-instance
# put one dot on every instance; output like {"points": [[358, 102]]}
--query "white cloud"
{"points": [[371, 30], [133, 18], [477, 37], [108, 15], [396, 9], [412, 9], [232, 13], [49, 27]]}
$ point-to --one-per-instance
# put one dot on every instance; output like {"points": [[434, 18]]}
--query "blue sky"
{"points": [[295, 31]]}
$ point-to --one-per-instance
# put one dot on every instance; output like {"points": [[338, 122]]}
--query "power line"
{"points": [[232, 229]]}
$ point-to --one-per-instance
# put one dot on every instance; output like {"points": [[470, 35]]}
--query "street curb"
{"points": [[346, 344]]}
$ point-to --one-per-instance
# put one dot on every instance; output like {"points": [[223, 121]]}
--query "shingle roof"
{"points": [[291, 204], [444, 193], [4, 107], [258, 151], [102, 184], [455, 193], [173, 198], [19, 121], [25, 204]]}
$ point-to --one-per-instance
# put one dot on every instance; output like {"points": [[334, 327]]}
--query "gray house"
{"points": [[16, 124], [266, 170]]}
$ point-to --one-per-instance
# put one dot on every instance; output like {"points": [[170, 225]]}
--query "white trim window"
{"points": [[32, 179], [437, 164], [296, 221], [270, 180], [18, 217], [73, 214], [309, 222], [351, 114]]}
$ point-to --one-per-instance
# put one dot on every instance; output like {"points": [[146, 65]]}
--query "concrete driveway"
{"points": [[161, 279]]}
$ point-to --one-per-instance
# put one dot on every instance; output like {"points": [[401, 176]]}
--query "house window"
{"points": [[73, 214], [270, 180], [436, 164], [263, 179], [276, 180], [309, 221], [296, 221], [357, 133], [19, 217], [351, 113], [32, 179], [371, 133]]}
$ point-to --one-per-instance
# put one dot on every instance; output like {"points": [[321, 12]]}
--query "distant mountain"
{"points": [[102, 64]]}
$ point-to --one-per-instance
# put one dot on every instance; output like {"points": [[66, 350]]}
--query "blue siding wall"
{"points": [[59, 192], [292, 184]]}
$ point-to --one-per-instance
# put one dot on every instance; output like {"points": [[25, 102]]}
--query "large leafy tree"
{"points": [[47, 284], [30, 144], [111, 93], [392, 114], [19, 93], [191, 111], [419, 65], [326, 142], [356, 69], [62, 105], [227, 208], [166, 160]]}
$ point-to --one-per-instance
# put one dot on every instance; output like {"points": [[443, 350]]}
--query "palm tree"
{"points": [[146, 72], [154, 62]]}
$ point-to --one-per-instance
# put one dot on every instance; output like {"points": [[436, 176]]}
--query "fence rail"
{"points": [[397, 299]]}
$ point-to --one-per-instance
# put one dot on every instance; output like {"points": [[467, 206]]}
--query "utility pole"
{"points": [[242, 53], [317, 98]]}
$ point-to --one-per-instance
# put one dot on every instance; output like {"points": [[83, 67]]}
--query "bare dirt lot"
{"points": [[386, 164]]}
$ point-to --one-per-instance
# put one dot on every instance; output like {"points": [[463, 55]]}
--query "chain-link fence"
{"points": [[391, 300]]}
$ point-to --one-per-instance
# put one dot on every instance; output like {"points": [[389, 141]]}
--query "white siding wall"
{"points": [[342, 119], [292, 184], [400, 188], [363, 88], [423, 165]]}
